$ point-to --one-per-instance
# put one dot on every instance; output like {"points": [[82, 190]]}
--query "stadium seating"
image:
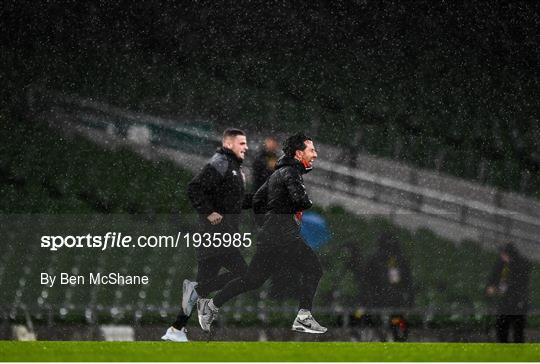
{"points": [[46, 172], [396, 84]]}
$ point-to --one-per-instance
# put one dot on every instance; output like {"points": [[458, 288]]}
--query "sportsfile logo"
{"points": [[109, 240], [120, 240]]}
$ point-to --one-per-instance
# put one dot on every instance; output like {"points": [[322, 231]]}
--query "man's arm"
{"points": [[260, 201], [297, 191], [201, 189]]}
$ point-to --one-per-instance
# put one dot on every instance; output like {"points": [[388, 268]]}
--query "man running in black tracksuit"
{"points": [[282, 198], [217, 193]]}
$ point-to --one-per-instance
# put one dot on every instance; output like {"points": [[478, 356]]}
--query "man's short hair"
{"points": [[293, 143], [232, 132]]}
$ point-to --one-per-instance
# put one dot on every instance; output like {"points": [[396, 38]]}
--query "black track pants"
{"points": [[209, 279], [269, 258]]}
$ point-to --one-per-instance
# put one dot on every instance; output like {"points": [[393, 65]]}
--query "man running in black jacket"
{"points": [[281, 199], [217, 193]]}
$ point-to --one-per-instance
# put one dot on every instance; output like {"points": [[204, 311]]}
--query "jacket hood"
{"points": [[285, 161], [229, 153]]}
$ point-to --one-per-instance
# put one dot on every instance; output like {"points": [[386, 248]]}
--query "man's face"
{"points": [[237, 144], [505, 257], [308, 155], [271, 144]]}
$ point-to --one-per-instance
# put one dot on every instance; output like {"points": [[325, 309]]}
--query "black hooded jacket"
{"points": [[279, 199], [219, 187]]}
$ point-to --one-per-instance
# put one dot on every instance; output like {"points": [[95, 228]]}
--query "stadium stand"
{"points": [[48, 172], [438, 90], [454, 208]]}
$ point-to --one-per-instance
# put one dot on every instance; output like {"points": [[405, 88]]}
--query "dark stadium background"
{"points": [[451, 89]]}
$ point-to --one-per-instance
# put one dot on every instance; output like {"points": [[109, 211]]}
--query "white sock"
{"points": [[302, 313], [212, 306]]}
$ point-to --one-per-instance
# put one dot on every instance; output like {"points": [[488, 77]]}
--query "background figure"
{"points": [[265, 162], [387, 284], [284, 282], [508, 285]]}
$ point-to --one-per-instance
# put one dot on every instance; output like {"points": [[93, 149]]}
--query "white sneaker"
{"points": [[206, 313], [189, 296], [173, 334], [304, 322]]}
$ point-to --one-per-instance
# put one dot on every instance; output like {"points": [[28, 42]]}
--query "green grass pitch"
{"points": [[263, 351]]}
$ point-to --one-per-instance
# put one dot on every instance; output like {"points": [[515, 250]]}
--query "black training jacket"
{"points": [[279, 198], [219, 187]]}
